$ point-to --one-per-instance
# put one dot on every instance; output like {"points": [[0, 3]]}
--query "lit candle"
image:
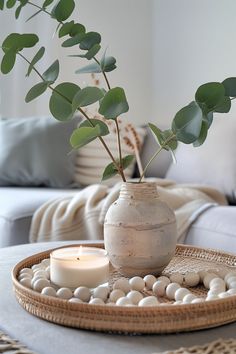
{"points": [[79, 266]]}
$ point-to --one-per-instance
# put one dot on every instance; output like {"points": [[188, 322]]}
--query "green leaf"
{"points": [[114, 103], [89, 40], [127, 160], [28, 40], [84, 135], [103, 127], [35, 59], [1, 4], [91, 68], [203, 135], [87, 96], [11, 42], [157, 133], [60, 103], [36, 91], [164, 138], [18, 11], [223, 106], [230, 86], [210, 94], [70, 42], [47, 3], [63, 10], [208, 118], [187, 123], [10, 3], [107, 63], [90, 53], [65, 29], [77, 29], [8, 61], [111, 170], [51, 74]]}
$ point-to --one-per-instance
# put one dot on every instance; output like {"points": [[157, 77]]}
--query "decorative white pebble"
{"points": [[116, 294], [49, 291], [164, 304], [149, 281], [177, 278], [47, 270], [212, 297], [159, 288], [223, 295], [26, 270], [164, 279], [208, 278], [64, 293], [191, 279], [26, 282], [83, 293], [197, 300], [202, 274], [148, 301], [34, 279], [41, 274], [228, 275], [180, 294], [222, 273], [230, 280], [101, 292], [232, 285], [171, 289], [46, 262], [137, 283], [215, 291], [96, 301], [217, 281], [217, 288], [24, 275], [134, 296], [39, 284], [187, 299], [36, 267], [179, 302], [75, 300], [231, 291], [123, 301], [122, 284]]}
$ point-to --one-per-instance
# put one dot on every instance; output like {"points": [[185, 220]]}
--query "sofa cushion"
{"points": [[215, 228], [17, 205], [34, 151]]}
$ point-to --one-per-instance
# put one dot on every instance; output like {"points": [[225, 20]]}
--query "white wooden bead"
{"points": [[149, 281], [123, 301], [231, 291], [39, 284], [215, 291], [116, 294], [180, 293], [208, 278], [177, 278], [189, 298], [49, 291], [232, 285], [83, 293], [26, 270], [46, 262], [212, 297], [171, 289], [223, 295], [228, 275], [230, 280], [164, 279], [64, 293], [26, 282], [36, 267], [75, 300], [134, 296], [159, 288], [197, 300], [218, 288], [96, 301], [217, 281], [202, 274], [101, 292], [191, 279], [122, 284], [24, 275], [148, 301], [137, 283]]}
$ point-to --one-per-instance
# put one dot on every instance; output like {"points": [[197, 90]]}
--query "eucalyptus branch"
{"points": [[155, 155], [43, 10], [84, 114], [103, 73]]}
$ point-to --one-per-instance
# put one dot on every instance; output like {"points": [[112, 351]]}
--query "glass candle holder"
{"points": [[72, 267]]}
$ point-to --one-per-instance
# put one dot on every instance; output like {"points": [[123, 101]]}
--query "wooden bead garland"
{"points": [[220, 284]]}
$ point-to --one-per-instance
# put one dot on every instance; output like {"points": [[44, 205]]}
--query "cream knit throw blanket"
{"points": [[80, 215]]}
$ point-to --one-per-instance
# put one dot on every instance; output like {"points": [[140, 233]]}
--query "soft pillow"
{"points": [[92, 159], [34, 151], [213, 163]]}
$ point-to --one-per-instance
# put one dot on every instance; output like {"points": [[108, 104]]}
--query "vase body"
{"points": [[140, 231]]}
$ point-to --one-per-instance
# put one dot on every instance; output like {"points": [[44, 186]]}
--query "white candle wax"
{"points": [[79, 266]]}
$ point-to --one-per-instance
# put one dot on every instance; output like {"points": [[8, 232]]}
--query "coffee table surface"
{"points": [[48, 338]]}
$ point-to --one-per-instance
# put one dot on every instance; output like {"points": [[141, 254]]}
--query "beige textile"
{"points": [[220, 346], [12, 346], [80, 215]]}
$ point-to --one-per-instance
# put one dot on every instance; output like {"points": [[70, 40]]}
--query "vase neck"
{"points": [[147, 190]]}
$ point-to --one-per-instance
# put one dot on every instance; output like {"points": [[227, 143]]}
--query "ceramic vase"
{"points": [[140, 231]]}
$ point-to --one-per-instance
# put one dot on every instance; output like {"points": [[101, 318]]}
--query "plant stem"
{"points": [[43, 10], [103, 73]]}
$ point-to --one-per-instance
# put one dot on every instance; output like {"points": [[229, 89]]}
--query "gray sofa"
{"points": [[215, 228]]}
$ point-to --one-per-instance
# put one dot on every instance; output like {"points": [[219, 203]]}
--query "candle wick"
{"points": [[78, 258]]}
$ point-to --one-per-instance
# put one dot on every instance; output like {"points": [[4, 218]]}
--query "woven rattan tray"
{"points": [[159, 319]]}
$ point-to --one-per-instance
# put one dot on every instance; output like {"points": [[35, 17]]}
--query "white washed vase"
{"points": [[140, 231]]}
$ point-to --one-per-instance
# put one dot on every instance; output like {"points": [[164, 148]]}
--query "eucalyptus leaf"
{"points": [[60, 103], [223, 106], [8, 61], [47, 3], [18, 11], [108, 63], [70, 42], [170, 141], [51, 74], [203, 135], [65, 29], [208, 118], [63, 9], [77, 28], [187, 123], [89, 40], [86, 96], [10, 3], [36, 91], [114, 103], [11, 42], [84, 135], [35, 59], [90, 53], [230, 86], [91, 68], [28, 40], [103, 127], [1, 4], [157, 133], [111, 170], [210, 94]]}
